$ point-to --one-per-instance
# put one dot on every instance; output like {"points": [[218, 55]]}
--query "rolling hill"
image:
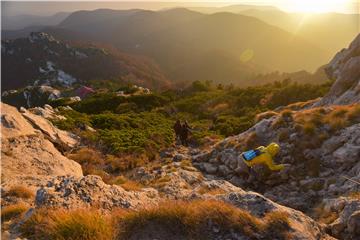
{"points": [[178, 39]]}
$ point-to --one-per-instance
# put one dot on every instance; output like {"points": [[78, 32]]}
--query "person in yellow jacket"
{"points": [[263, 155]]}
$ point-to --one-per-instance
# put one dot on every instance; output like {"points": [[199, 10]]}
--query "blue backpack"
{"points": [[251, 154]]}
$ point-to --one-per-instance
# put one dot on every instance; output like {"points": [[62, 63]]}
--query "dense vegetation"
{"points": [[143, 123]]}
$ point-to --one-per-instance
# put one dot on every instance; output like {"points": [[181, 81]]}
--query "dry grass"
{"points": [[20, 192], [131, 186], [284, 135], [265, 115], [185, 163], [354, 195], [72, 225], [160, 182], [211, 191], [323, 216], [191, 220], [13, 211], [287, 114], [309, 128], [353, 114], [87, 156], [251, 141], [126, 184]]}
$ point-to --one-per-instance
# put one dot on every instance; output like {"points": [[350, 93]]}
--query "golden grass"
{"points": [[188, 219], [265, 115], [13, 211], [354, 195], [20, 192], [287, 114], [211, 191], [309, 128], [126, 184], [72, 225], [353, 114], [87, 155], [185, 163], [342, 115]]}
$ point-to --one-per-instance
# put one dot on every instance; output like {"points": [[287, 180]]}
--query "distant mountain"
{"points": [[234, 8], [24, 21], [181, 40], [318, 29], [41, 59]]}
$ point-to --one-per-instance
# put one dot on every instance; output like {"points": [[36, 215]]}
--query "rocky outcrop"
{"points": [[347, 209], [61, 139], [344, 68], [28, 158], [321, 165], [91, 191], [74, 192]]}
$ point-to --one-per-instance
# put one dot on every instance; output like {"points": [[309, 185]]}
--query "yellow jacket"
{"points": [[266, 157]]}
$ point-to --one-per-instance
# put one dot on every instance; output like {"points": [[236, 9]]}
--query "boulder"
{"points": [[344, 68], [62, 139], [27, 157], [91, 191]]}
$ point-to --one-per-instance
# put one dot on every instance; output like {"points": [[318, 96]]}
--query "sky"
{"points": [[52, 7]]}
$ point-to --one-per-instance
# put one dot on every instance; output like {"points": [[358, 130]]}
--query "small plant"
{"points": [[13, 211], [20, 192]]}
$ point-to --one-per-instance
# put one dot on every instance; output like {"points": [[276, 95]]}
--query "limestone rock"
{"points": [[27, 157], [62, 139], [74, 192], [345, 69]]}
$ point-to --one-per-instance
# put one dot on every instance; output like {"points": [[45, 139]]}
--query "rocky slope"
{"points": [[344, 69], [28, 153], [320, 143], [30, 159]]}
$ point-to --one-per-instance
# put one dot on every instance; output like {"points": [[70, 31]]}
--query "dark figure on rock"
{"points": [[184, 135]]}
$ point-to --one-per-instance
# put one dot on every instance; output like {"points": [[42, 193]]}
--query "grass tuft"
{"points": [[13, 211], [61, 225], [20, 192], [189, 220]]}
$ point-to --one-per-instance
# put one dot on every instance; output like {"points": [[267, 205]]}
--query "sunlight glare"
{"points": [[316, 6]]}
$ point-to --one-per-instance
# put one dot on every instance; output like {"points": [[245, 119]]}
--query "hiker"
{"points": [[184, 134], [260, 155], [177, 129]]}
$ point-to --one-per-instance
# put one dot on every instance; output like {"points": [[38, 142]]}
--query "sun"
{"points": [[316, 6]]}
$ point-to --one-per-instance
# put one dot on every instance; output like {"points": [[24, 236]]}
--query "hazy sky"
{"points": [[51, 7]]}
